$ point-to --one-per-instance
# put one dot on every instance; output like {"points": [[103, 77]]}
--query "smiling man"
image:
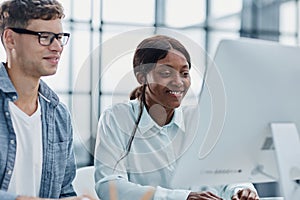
{"points": [[36, 156]]}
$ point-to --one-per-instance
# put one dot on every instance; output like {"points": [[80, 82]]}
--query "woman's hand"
{"points": [[203, 196], [245, 194]]}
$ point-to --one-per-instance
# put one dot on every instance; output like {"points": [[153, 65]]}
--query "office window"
{"points": [[288, 17], [184, 13], [132, 11], [288, 22], [221, 9]]}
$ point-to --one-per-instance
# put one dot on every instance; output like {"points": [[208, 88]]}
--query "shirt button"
{"points": [[7, 114], [12, 142], [14, 98], [9, 172]]}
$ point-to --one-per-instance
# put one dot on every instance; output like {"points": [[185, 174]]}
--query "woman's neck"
{"points": [[160, 114]]}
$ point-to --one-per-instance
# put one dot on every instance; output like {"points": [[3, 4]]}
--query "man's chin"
{"points": [[50, 73]]}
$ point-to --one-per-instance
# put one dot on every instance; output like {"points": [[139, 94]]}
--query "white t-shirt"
{"points": [[26, 176]]}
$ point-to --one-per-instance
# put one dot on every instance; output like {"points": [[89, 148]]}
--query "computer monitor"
{"points": [[261, 86]]}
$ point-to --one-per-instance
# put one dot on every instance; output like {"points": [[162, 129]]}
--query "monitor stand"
{"points": [[287, 148]]}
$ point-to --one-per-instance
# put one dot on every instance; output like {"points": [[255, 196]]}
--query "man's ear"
{"points": [[8, 39], [141, 78]]}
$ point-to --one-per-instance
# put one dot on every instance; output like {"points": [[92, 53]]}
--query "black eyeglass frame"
{"points": [[39, 34]]}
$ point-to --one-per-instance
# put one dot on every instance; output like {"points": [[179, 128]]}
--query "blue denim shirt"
{"points": [[58, 165]]}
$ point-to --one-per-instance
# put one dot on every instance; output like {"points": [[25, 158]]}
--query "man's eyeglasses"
{"points": [[45, 38]]}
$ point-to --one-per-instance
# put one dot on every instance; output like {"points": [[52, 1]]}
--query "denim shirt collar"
{"points": [[7, 87], [48, 94]]}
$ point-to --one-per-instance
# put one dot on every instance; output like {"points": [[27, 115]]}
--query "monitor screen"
{"points": [[260, 85]]}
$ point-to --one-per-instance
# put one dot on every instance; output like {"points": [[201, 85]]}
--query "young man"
{"points": [[36, 156]]}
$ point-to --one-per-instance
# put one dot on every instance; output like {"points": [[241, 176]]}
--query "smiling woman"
{"points": [[161, 66], [168, 82], [138, 142]]}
